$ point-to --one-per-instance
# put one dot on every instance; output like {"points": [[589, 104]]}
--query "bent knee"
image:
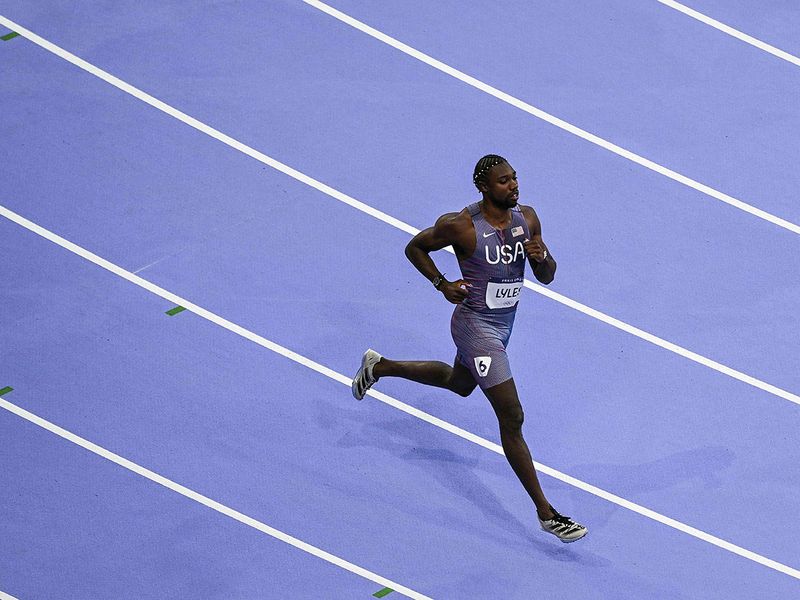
{"points": [[461, 387], [464, 391]]}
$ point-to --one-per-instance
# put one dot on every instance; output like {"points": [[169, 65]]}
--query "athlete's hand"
{"points": [[455, 291], [535, 249]]}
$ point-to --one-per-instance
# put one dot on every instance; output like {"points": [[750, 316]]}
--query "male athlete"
{"points": [[491, 238]]}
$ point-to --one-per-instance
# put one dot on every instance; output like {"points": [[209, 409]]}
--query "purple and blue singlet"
{"points": [[481, 325]]}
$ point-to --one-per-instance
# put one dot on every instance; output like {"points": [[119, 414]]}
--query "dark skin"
{"points": [[500, 193]]}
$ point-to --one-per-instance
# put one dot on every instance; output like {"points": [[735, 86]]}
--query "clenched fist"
{"points": [[455, 291], [535, 249]]}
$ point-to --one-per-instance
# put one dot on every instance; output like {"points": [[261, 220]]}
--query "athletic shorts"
{"points": [[481, 340]]}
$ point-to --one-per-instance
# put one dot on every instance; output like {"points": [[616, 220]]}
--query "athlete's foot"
{"points": [[562, 527], [364, 378]]}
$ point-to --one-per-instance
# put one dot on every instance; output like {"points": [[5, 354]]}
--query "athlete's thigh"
{"points": [[481, 348], [504, 400]]}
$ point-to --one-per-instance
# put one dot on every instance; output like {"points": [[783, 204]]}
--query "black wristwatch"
{"points": [[438, 281]]}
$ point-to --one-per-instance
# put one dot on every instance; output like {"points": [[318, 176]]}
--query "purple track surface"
{"points": [[285, 445]]}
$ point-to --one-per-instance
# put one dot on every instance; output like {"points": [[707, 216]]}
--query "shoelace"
{"points": [[563, 520]]}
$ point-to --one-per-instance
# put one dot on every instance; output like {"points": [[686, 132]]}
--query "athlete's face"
{"points": [[501, 186]]}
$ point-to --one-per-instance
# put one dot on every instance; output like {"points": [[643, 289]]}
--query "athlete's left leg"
{"points": [[510, 416], [508, 409]]}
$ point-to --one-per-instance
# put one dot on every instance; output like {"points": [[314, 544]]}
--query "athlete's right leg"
{"points": [[457, 378]]}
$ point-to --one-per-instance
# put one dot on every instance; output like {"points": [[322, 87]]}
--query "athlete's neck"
{"points": [[497, 216]]}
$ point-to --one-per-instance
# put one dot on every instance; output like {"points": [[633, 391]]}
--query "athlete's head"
{"points": [[496, 180]]}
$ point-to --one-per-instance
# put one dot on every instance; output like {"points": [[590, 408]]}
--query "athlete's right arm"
{"points": [[444, 233]]}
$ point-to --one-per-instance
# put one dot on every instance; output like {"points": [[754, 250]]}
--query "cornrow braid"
{"points": [[484, 166]]}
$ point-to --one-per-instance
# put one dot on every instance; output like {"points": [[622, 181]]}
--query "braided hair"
{"points": [[484, 166]]}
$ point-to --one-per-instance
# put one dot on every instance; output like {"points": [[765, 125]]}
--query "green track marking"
{"points": [[174, 311], [383, 592], [5, 390], [9, 36]]}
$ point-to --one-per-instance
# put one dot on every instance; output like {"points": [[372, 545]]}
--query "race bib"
{"points": [[503, 293]]}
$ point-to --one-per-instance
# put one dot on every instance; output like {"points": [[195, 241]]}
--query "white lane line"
{"points": [[662, 343], [4, 596], [206, 501], [731, 31], [553, 120], [415, 412], [386, 218], [199, 125]]}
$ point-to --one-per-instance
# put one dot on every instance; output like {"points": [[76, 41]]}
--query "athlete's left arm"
{"points": [[542, 262]]}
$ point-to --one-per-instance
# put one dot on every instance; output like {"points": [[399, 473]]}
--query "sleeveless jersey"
{"points": [[497, 267]]}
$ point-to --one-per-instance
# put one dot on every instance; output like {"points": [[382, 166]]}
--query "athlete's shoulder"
{"points": [[456, 229], [454, 221], [531, 218]]}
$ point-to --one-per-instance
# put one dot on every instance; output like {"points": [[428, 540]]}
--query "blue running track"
{"points": [[286, 445]]}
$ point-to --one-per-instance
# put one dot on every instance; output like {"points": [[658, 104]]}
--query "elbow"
{"points": [[546, 280], [409, 249], [547, 277], [412, 249]]}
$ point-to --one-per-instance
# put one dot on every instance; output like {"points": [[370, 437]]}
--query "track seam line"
{"points": [[740, 35], [386, 399], [553, 120], [206, 501], [386, 218]]}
